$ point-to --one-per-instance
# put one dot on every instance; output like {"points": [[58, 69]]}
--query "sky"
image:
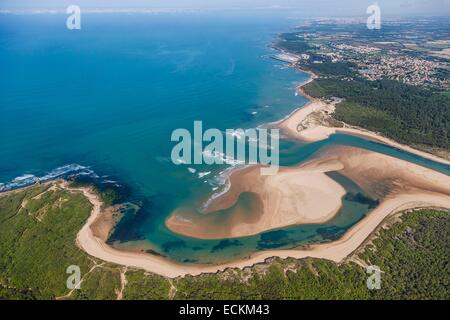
{"points": [[309, 8]]}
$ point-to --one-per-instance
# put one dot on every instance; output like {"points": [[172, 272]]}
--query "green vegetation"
{"points": [[417, 115], [282, 279], [413, 256], [110, 194], [38, 226], [442, 74], [366, 117], [405, 113], [290, 42], [36, 241], [142, 285], [332, 69]]}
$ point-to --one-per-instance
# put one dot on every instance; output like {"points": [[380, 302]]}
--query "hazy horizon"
{"points": [[307, 8]]}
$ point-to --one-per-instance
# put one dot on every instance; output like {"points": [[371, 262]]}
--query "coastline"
{"points": [[335, 251], [319, 132], [304, 194]]}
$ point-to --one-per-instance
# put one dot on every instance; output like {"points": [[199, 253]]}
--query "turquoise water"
{"points": [[103, 102]]}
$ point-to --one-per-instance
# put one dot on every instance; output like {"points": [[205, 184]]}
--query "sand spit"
{"points": [[293, 196], [304, 195], [412, 186], [401, 185], [301, 125]]}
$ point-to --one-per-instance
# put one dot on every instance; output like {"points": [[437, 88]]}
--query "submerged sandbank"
{"points": [[402, 185], [293, 196], [303, 195], [405, 198]]}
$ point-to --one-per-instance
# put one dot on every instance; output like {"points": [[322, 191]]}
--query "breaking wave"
{"points": [[67, 171]]}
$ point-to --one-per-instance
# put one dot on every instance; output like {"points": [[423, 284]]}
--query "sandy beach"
{"points": [[401, 185], [301, 125], [411, 186], [334, 251], [304, 194]]}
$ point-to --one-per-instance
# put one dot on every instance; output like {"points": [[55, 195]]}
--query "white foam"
{"points": [[60, 172], [24, 177], [192, 170], [203, 174], [180, 161], [110, 181]]}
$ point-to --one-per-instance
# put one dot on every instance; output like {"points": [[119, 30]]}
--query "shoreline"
{"points": [[303, 195], [413, 182], [336, 251], [320, 132]]}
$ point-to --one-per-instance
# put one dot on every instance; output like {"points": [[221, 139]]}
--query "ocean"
{"points": [[102, 102]]}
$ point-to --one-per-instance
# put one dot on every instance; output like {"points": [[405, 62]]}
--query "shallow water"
{"points": [[108, 97]]}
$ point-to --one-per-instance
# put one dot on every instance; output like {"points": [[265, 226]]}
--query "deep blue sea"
{"points": [[103, 101]]}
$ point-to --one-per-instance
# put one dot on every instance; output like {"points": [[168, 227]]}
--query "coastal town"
{"points": [[422, 60]]}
